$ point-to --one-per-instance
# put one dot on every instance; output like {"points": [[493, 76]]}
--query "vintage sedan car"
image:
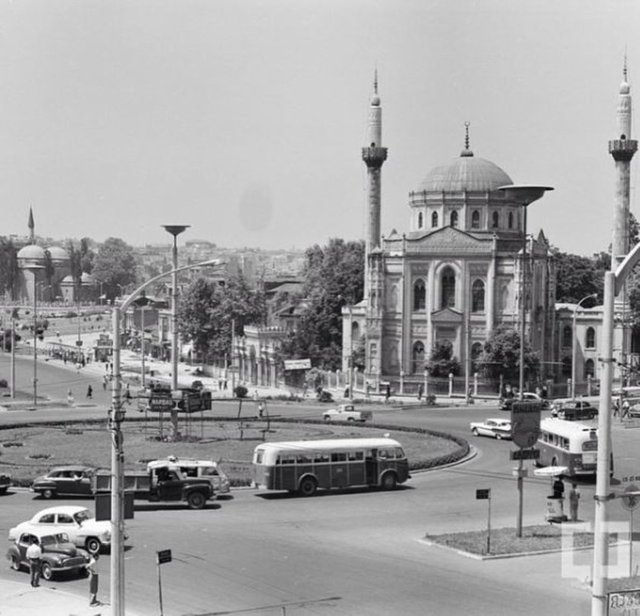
{"points": [[65, 480], [77, 522], [573, 410], [5, 482], [494, 427], [346, 412], [58, 553], [527, 396]]}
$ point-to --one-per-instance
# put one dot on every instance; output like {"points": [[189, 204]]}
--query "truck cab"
{"points": [[169, 484]]}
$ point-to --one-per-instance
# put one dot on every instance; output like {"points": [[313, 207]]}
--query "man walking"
{"points": [[574, 499], [34, 555]]}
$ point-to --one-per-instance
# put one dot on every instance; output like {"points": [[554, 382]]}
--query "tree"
{"points": [[577, 277], [114, 266], [442, 363], [207, 310], [501, 356], [9, 270], [334, 277]]}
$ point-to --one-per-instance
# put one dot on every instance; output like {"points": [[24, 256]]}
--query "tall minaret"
{"points": [[32, 228], [374, 156], [622, 148]]}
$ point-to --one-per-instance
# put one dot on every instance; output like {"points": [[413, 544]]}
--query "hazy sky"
{"points": [[245, 118]]}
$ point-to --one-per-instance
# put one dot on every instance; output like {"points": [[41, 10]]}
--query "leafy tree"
{"points": [[9, 271], [442, 363], [334, 277], [501, 356], [207, 310], [577, 277], [114, 266]]}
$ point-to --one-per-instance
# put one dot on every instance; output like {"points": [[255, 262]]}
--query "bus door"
{"points": [[356, 468], [339, 472], [371, 466]]}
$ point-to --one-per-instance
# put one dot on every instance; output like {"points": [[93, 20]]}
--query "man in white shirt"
{"points": [[34, 554]]}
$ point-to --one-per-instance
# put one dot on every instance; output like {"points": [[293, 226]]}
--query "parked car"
{"points": [[346, 412], [573, 410], [77, 522], [527, 396], [494, 427], [58, 553], [67, 480], [5, 482]]}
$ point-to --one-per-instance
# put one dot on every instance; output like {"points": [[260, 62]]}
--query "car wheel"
{"points": [[389, 481], [46, 571], [475, 432], [196, 500], [48, 493], [15, 563], [93, 545], [350, 419], [327, 418], [308, 487]]}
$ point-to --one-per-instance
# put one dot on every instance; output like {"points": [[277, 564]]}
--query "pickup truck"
{"points": [[346, 412], [160, 484]]}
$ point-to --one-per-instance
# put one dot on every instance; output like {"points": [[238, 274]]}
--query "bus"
{"points": [[305, 466], [573, 444]]}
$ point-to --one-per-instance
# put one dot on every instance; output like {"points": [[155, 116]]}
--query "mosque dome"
{"points": [[465, 173], [68, 280], [31, 254], [58, 253]]}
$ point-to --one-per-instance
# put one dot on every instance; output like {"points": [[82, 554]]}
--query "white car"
{"points": [[77, 522], [494, 427], [346, 412]]}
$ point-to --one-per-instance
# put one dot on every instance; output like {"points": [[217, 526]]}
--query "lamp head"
{"points": [[524, 194], [175, 230]]}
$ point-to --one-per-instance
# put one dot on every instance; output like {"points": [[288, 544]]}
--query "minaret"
{"points": [[622, 148], [374, 156], [32, 228]]}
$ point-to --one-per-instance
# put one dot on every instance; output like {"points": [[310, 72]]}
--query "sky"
{"points": [[245, 118]]}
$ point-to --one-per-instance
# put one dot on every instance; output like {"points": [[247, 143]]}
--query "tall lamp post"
{"points": [[524, 195], [117, 452], [175, 230], [574, 343]]}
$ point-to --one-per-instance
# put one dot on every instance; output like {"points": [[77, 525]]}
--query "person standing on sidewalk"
{"points": [[34, 555], [574, 500], [93, 580]]}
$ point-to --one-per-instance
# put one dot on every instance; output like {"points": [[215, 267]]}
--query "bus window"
{"points": [[320, 458], [303, 458], [338, 457], [355, 456], [259, 456], [386, 454], [399, 453]]}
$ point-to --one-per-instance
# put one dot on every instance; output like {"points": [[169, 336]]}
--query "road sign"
{"points": [[524, 454], [623, 602], [631, 501], [297, 364], [164, 556], [525, 423], [483, 494], [160, 403]]}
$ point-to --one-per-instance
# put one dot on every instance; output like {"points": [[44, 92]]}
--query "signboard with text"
{"points": [[524, 454], [623, 603], [297, 364], [525, 423]]}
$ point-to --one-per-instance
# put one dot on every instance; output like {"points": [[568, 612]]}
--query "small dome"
{"points": [[58, 253], [67, 280], [32, 253], [466, 172]]}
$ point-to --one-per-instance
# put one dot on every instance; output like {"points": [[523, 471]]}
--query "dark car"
{"points": [[574, 410], [58, 554], [65, 480], [5, 482], [507, 403]]}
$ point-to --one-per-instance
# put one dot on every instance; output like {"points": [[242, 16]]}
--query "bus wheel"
{"points": [[308, 487], [389, 481]]}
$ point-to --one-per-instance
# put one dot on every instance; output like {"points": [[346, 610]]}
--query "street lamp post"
{"points": [[523, 194], [574, 347], [117, 452], [174, 230]]}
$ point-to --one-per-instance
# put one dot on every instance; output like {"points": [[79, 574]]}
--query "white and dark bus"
{"points": [[573, 444], [306, 466]]}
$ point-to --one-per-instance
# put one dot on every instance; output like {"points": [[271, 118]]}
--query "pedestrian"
{"points": [[558, 488], [70, 399], [625, 408], [260, 410], [127, 393], [420, 391], [34, 555], [89, 392], [387, 394], [616, 407], [93, 580], [104, 382], [574, 500]]}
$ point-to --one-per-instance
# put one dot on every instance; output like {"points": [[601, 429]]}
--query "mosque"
{"points": [[456, 275]]}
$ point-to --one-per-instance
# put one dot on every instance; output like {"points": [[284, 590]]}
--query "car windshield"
{"points": [[53, 539], [82, 516]]}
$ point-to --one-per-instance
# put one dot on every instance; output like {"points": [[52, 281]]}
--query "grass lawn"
{"points": [[27, 452], [504, 540]]}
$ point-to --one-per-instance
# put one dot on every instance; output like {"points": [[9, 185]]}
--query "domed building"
{"points": [[454, 276]]}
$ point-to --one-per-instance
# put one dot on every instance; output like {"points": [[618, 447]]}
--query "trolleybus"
{"points": [[305, 466]]}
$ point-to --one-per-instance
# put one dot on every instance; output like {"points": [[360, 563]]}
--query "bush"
{"points": [[3, 383], [240, 391]]}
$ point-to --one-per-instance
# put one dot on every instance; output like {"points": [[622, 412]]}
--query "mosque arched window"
{"points": [[566, 366], [417, 358], [477, 296], [495, 220], [453, 219], [420, 220], [590, 338], [434, 220], [589, 368], [567, 336], [510, 220], [448, 288], [419, 295], [475, 219]]}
